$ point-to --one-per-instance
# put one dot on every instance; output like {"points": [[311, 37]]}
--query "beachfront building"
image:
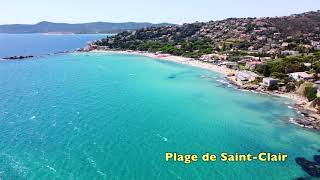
{"points": [[244, 77], [298, 76], [269, 81]]}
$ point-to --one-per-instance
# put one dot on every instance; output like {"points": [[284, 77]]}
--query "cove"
{"points": [[111, 116]]}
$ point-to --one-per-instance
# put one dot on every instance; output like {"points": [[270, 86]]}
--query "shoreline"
{"points": [[178, 59], [211, 67], [308, 116]]}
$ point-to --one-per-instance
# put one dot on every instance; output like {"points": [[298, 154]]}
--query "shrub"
{"points": [[316, 104], [298, 83], [310, 92], [273, 87], [278, 75], [266, 71], [290, 87]]}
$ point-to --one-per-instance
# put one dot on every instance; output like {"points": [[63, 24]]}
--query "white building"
{"points": [[245, 77], [298, 76], [269, 81]]}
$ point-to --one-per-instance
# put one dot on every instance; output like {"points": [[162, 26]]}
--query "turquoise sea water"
{"points": [[40, 44], [107, 116]]}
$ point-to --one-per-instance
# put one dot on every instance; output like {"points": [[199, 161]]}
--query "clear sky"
{"points": [[173, 11]]}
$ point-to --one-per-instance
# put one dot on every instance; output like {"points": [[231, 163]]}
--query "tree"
{"points": [[316, 67], [266, 71], [310, 92], [278, 75]]}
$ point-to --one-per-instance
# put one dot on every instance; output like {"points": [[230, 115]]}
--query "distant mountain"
{"points": [[94, 27]]}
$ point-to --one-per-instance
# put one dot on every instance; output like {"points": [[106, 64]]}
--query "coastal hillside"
{"points": [[299, 32], [85, 28]]}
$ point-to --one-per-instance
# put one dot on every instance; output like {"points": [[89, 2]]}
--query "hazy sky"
{"points": [[174, 11]]}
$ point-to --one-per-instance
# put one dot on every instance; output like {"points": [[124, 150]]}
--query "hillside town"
{"points": [[280, 54]]}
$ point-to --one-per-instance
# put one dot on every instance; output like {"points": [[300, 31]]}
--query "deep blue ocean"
{"points": [[110, 116], [41, 44]]}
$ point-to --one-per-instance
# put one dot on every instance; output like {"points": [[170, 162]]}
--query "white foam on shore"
{"points": [[256, 92], [291, 120], [222, 81]]}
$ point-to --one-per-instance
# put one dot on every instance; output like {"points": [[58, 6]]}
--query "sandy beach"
{"points": [[212, 67], [178, 59]]}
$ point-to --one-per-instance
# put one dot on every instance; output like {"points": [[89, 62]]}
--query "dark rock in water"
{"points": [[312, 168], [316, 158], [172, 77], [17, 57], [300, 178], [303, 122]]}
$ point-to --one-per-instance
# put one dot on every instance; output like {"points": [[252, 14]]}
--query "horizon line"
{"points": [[99, 21]]}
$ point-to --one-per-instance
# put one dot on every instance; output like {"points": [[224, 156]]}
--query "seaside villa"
{"points": [[245, 77], [269, 81]]}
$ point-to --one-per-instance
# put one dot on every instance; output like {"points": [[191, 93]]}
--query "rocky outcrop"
{"points": [[309, 118], [17, 57], [92, 47], [310, 167]]}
